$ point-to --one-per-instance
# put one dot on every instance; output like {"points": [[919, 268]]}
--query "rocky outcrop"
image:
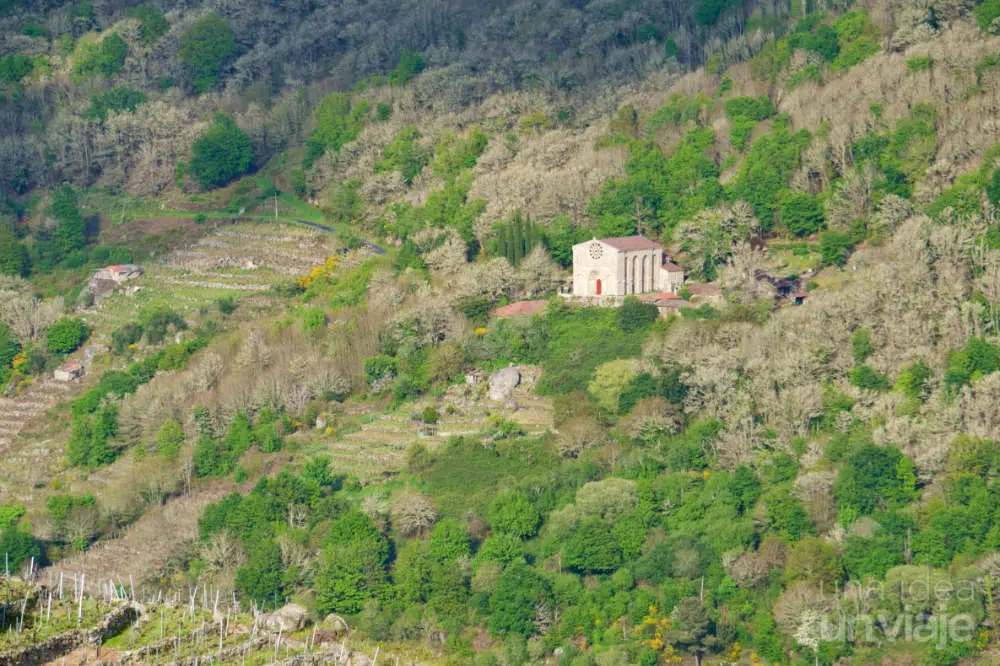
{"points": [[502, 384], [286, 619], [336, 623]]}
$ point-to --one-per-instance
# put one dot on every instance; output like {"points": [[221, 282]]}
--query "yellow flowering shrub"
{"points": [[655, 628], [321, 272]]}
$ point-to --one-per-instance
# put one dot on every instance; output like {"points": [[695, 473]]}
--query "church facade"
{"points": [[612, 268]]}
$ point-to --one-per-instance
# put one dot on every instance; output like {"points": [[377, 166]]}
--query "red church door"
{"points": [[598, 286]]}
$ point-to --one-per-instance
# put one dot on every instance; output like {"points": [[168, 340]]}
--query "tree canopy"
{"points": [[222, 154]]}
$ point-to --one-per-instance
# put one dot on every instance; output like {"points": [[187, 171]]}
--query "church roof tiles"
{"points": [[671, 267], [629, 243]]}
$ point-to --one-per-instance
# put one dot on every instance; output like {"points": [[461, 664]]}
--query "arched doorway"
{"points": [[644, 287], [598, 290]]}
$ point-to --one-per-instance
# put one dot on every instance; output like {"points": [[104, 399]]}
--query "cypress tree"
{"points": [[518, 239], [502, 248], [511, 252], [534, 236]]}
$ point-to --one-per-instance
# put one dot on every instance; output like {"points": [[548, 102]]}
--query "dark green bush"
{"points": [[822, 40], [592, 548], [223, 153], [15, 67], [9, 346], [121, 98], [106, 57], [429, 415], [122, 338], [66, 335], [338, 121], [802, 214], [765, 172], [158, 321], [634, 315], [19, 546], [986, 13], [260, 578], [913, 380], [875, 478], [835, 247], [227, 305], [89, 443], [515, 598], [665, 190], [353, 570], [14, 257], [515, 514], [404, 155], [206, 50], [755, 109], [865, 378], [152, 23], [71, 232], [993, 188], [861, 344], [785, 514], [410, 64], [978, 359], [379, 368]]}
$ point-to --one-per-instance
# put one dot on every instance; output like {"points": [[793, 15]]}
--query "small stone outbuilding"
{"points": [[68, 372], [118, 273]]}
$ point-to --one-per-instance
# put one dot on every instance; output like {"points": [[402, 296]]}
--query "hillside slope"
{"points": [[278, 412]]}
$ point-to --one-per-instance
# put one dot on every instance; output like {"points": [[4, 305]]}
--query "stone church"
{"points": [[611, 268]]}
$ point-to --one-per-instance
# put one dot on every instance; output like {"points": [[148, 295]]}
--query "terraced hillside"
{"points": [[373, 445], [18, 409], [80, 620], [142, 552], [241, 261]]}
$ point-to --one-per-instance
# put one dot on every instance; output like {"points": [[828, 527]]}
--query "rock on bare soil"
{"points": [[286, 619], [503, 382]]}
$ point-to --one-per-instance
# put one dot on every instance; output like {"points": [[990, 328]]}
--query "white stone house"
{"points": [[608, 269]]}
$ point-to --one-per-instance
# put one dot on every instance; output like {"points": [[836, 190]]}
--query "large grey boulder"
{"points": [[337, 623], [502, 383], [286, 619]]}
